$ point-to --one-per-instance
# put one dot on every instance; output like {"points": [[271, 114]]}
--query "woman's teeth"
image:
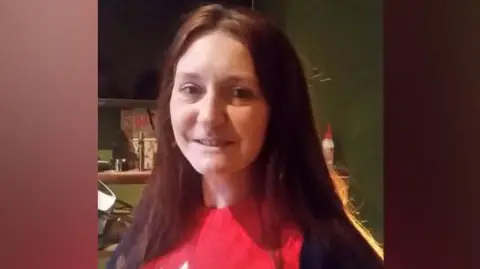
{"points": [[212, 142]]}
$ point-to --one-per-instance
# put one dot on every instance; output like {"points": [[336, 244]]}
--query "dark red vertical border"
{"points": [[432, 122], [48, 113]]}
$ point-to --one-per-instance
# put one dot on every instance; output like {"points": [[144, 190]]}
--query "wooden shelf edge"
{"points": [[125, 177]]}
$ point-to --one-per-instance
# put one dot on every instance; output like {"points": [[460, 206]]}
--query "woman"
{"points": [[240, 180]]}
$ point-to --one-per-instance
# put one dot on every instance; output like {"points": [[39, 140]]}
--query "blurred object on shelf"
{"points": [[150, 148], [328, 145], [136, 120], [141, 151], [119, 164], [138, 126], [103, 165]]}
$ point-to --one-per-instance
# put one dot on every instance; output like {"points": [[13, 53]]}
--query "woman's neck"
{"points": [[221, 191]]}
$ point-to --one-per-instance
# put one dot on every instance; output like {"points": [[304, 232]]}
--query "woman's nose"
{"points": [[211, 110]]}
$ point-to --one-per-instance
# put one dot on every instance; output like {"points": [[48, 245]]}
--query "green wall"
{"points": [[343, 40], [109, 130]]}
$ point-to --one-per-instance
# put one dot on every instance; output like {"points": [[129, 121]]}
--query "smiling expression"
{"points": [[218, 112]]}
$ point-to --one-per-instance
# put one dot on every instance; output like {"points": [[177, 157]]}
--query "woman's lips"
{"points": [[214, 143]]}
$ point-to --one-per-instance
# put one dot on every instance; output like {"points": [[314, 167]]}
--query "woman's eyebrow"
{"points": [[232, 77], [188, 76], [241, 77]]}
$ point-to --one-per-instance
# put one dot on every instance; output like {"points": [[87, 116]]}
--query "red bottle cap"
{"points": [[328, 134]]}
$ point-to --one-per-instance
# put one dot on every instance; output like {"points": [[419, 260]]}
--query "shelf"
{"points": [[124, 177]]}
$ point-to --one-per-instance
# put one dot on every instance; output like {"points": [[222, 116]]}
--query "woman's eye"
{"points": [[242, 93], [190, 90]]}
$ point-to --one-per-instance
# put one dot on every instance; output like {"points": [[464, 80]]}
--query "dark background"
{"points": [[132, 38]]}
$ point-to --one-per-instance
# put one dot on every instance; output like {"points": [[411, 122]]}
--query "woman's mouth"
{"points": [[215, 143]]}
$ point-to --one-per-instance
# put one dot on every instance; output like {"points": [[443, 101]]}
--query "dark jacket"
{"points": [[314, 256]]}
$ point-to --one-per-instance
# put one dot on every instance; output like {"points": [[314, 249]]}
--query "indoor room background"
{"points": [[340, 43]]}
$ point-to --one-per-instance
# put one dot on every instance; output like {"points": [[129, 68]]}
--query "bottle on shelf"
{"points": [[141, 151], [328, 145]]}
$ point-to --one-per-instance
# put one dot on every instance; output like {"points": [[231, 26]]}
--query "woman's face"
{"points": [[219, 115]]}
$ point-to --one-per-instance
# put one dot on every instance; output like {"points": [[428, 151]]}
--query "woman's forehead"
{"points": [[216, 52]]}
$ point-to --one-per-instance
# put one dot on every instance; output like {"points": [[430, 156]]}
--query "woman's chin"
{"points": [[213, 168]]}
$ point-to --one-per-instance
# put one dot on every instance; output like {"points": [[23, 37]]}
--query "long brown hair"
{"points": [[293, 174]]}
